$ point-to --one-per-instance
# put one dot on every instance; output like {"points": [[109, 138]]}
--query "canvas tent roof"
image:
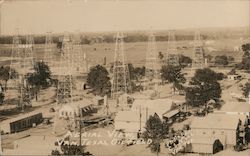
{"points": [[216, 121]]}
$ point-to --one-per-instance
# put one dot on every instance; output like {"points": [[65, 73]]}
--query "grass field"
{"points": [[135, 52]]}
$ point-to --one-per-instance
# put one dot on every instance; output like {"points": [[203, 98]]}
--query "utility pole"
{"points": [[1, 2]]}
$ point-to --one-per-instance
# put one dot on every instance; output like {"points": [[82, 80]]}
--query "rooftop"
{"points": [[77, 104], [158, 106], [131, 116], [216, 121], [20, 117]]}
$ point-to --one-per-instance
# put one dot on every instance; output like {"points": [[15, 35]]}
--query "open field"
{"points": [[135, 52]]}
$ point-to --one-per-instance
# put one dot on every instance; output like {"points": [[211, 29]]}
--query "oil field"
{"points": [[124, 85]]}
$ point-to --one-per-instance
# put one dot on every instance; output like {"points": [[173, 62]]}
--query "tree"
{"points": [[230, 58], [71, 150], [221, 60], [245, 63], [246, 89], [184, 60], [131, 70], [173, 75], [204, 87], [1, 98], [6, 73], [209, 57], [157, 131], [99, 80], [40, 79]]}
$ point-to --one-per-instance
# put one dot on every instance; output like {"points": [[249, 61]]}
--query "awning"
{"points": [[87, 109], [171, 113]]}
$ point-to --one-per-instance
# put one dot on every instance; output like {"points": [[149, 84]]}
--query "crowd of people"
{"points": [[178, 141]]}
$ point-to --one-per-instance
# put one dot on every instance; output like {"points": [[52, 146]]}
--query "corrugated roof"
{"points": [[216, 121]]}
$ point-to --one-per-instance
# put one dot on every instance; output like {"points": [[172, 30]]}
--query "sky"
{"points": [[40, 16]]}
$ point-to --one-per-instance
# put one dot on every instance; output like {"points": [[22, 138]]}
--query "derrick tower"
{"points": [[48, 56], [152, 71], [77, 54], [172, 52], [64, 88], [198, 52], [21, 62], [121, 79], [65, 80]]}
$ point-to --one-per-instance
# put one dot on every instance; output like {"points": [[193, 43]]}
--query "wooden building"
{"points": [[22, 122], [213, 129]]}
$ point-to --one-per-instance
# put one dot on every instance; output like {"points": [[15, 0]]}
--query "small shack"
{"points": [[149, 107], [75, 109], [22, 122]]}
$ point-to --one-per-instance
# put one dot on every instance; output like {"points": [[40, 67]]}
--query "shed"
{"points": [[75, 109], [22, 122]]}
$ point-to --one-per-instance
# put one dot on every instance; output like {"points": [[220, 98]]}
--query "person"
{"points": [[139, 134]]}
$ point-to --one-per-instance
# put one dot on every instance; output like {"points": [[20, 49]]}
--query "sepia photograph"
{"points": [[125, 77]]}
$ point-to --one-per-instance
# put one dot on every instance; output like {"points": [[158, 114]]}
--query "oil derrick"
{"points": [[27, 65], [64, 88], [198, 53], [172, 52], [64, 85], [77, 54], [48, 57], [121, 79], [152, 71], [22, 62], [14, 62]]}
